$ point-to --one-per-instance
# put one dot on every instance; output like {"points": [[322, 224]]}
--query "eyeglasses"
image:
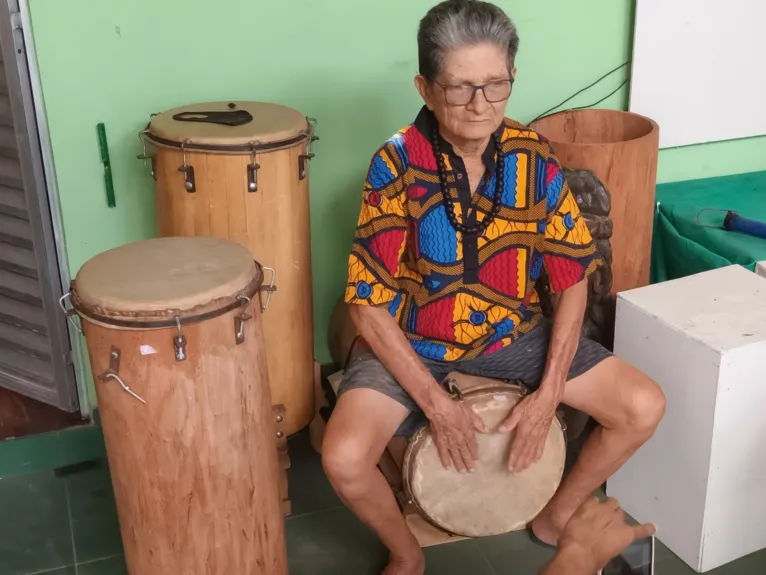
{"points": [[464, 94]]}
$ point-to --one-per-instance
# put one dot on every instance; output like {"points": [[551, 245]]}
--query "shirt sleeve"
{"points": [[380, 240], [569, 253]]}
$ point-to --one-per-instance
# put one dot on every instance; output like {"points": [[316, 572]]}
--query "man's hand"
{"points": [[453, 425], [597, 533], [531, 418]]}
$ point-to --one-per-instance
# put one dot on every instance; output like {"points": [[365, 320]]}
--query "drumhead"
{"points": [[272, 126], [491, 500], [157, 279]]}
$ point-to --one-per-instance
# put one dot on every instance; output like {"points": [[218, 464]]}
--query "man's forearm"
{"points": [[565, 336], [390, 345]]}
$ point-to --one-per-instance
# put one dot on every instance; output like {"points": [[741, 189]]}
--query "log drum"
{"points": [[173, 328], [240, 171]]}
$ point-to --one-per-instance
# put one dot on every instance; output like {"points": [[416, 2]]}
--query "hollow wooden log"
{"points": [[621, 149]]}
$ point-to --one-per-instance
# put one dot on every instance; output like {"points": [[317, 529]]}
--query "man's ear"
{"points": [[424, 89]]}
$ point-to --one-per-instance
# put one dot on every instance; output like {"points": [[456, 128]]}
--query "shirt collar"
{"points": [[425, 123]]}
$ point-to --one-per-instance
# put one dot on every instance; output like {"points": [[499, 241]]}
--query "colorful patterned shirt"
{"points": [[460, 297]]}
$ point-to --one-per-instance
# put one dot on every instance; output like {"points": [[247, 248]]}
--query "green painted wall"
{"points": [[349, 64]]}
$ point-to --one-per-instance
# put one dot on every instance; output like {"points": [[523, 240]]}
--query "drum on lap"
{"points": [[240, 171], [491, 500], [440, 504], [173, 329]]}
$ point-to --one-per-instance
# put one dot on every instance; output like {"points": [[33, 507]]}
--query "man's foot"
{"points": [[412, 566], [546, 530]]}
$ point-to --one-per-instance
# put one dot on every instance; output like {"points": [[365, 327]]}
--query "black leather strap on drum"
{"points": [[233, 118]]}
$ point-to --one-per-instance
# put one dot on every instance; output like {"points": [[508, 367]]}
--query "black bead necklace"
{"points": [[449, 205]]}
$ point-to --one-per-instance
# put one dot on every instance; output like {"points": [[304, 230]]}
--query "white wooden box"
{"points": [[760, 269], [702, 477]]}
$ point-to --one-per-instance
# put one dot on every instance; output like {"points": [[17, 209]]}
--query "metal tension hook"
{"points": [[239, 321], [113, 373], [187, 170], [179, 342]]}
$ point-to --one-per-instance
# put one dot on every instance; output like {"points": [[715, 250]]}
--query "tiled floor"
{"points": [[60, 524], [66, 525]]}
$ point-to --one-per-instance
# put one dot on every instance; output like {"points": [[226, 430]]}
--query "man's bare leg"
{"points": [[361, 425], [628, 407]]}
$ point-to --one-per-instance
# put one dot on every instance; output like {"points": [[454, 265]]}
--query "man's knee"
{"points": [[645, 406], [344, 459]]}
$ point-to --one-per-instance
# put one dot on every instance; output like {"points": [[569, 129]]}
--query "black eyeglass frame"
{"points": [[476, 87]]}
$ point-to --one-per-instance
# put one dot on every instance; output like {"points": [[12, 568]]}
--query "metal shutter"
{"points": [[35, 356]]}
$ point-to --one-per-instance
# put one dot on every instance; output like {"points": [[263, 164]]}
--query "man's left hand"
{"points": [[531, 418]]}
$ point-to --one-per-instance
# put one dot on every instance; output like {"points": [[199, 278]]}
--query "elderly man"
{"points": [[460, 213]]}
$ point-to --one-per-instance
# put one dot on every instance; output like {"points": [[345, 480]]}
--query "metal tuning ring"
{"points": [[269, 289], [187, 170], [239, 320], [69, 313], [252, 168], [179, 342], [114, 373]]}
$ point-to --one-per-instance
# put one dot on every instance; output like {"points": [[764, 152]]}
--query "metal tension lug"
{"points": [[153, 159], [114, 364], [239, 327], [179, 343], [253, 167], [454, 389], [188, 172], [303, 161], [252, 177]]}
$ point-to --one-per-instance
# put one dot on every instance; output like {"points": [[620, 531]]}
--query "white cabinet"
{"points": [[702, 477]]}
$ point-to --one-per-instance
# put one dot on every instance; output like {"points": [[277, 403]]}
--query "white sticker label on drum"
{"points": [[147, 350], [502, 398]]}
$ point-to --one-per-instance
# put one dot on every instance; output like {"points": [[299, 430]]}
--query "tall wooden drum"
{"points": [[240, 171], [173, 327]]}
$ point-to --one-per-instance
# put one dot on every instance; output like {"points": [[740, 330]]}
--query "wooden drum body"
{"points": [[174, 335], [249, 183], [491, 500]]}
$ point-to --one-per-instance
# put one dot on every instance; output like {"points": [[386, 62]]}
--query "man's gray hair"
{"points": [[456, 23]]}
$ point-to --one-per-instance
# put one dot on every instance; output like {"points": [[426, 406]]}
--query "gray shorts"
{"points": [[524, 360]]}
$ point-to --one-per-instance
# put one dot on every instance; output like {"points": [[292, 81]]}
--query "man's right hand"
{"points": [[453, 426], [597, 533]]}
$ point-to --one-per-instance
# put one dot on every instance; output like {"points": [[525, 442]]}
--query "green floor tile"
{"points": [[62, 571], [514, 553], [332, 543], [112, 566], [460, 558], [34, 532], [309, 489], [94, 515], [50, 450]]}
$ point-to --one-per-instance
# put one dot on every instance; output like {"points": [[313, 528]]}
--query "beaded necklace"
{"points": [[449, 205]]}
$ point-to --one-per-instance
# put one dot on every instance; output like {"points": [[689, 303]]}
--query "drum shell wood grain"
{"points": [[621, 149], [195, 469], [274, 223]]}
